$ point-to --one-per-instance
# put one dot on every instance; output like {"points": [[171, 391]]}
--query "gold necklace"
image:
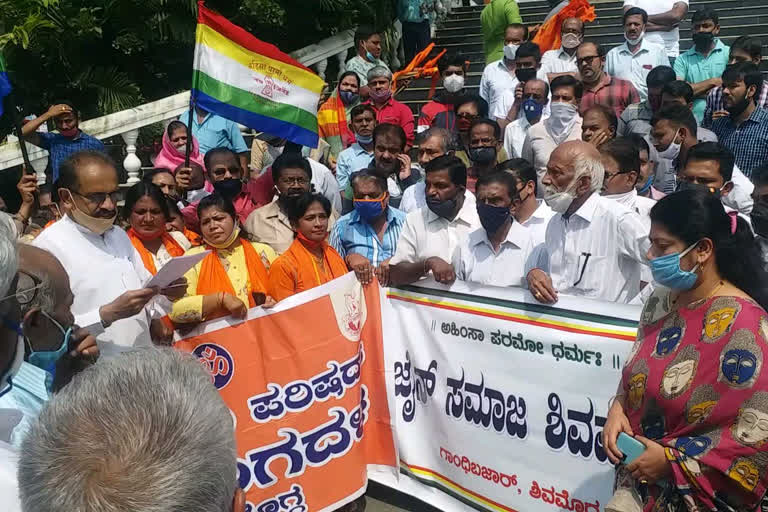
{"points": [[710, 294]]}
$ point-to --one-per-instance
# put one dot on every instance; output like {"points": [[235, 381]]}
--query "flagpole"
{"points": [[189, 128], [17, 116]]}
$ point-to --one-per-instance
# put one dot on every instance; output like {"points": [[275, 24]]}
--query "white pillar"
{"points": [[132, 163], [39, 165], [341, 57], [321, 66]]}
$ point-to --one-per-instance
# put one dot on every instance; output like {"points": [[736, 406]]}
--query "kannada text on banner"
{"points": [[305, 383], [501, 401]]}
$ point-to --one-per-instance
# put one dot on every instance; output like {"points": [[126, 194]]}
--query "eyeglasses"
{"points": [[99, 197], [464, 115], [27, 288], [587, 61], [294, 181], [609, 176]]}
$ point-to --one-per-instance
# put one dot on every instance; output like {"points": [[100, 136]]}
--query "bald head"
{"points": [[572, 25], [575, 148], [574, 166]]}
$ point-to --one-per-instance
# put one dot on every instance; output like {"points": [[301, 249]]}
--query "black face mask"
{"points": [[703, 40], [228, 188], [525, 74], [442, 208], [759, 218], [687, 185], [483, 155]]}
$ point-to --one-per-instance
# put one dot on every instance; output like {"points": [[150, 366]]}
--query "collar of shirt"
{"points": [[587, 210], [274, 211], [758, 116], [467, 214], [392, 219], [503, 66], [542, 211], [517, 236], [386, 104], [358, 149], [624, 48], [563, 55], [605, 81], [87, 232]]}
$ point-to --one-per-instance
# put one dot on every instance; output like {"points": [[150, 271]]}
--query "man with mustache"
{"points": [[106, 273]]}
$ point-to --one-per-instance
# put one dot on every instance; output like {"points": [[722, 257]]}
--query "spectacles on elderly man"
{"points": [[27, 288]]}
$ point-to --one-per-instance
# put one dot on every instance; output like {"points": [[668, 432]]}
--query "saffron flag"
{"points": [[5, 83], [252, 82]]}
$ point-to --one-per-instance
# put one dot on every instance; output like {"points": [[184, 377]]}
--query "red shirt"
{"points": [[395, 112], [612, 92], [430, 111]]}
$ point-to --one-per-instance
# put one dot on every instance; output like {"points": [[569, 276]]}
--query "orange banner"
{"points": [[307, 391]]}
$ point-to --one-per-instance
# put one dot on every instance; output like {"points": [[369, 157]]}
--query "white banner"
{"points": [[500, 401]]}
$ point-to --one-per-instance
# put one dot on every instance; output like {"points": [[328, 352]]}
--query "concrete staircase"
{"points": [[460, 32]]}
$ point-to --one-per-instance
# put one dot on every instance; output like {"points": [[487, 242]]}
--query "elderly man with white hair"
{"points": [[388, 109], [166, 445], [594, 247]]}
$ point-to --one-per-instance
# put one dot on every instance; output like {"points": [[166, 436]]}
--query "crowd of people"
{"points": [[637, 175]]}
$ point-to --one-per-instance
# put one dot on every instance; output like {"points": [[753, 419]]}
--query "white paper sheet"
{"points": [[175, 269]]}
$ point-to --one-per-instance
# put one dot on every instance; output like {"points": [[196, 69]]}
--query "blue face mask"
{"points": [[532, 109], [348, 97], [362, 139], [370, 209], [646, 186], [492, 217], [46, 360], [667, 272]]}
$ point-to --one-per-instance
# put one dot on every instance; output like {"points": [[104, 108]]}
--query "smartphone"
{"points": [[630, 447]]}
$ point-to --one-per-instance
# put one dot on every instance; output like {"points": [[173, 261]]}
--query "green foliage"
{"points": [[109, 55]]}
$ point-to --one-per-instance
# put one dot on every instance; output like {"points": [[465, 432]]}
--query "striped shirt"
{"points": [[352, 235], [597, 252], [612, 92], [715, 102], [748, 141]]}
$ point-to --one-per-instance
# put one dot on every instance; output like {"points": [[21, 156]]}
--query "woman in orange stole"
{"points": [[309, 261], [176, 223], [233, 277]]}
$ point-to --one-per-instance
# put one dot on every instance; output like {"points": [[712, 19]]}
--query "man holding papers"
{"points": [[106, 273]]}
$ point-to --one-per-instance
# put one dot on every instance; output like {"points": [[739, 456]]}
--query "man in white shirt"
{"points": [[497, 253], [498, 76], [431, 235], [595, 247], [563, 124], [527, 67], [634, 59], [535, 99], [664, 17], [105, 271], [531, 213], [621, 161], [562, 61]]}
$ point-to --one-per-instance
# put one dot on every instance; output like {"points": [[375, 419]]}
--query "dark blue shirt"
{"points": [[748, 141], [61, 147]]}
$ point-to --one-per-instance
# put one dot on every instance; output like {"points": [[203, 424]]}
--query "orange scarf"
{"points": [[194, 239], [310, 272], [170, 243], [214, 279]]}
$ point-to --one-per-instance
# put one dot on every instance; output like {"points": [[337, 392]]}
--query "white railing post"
{"points": [[132, 163], [39, 165], [320, 67], [342, 58]]}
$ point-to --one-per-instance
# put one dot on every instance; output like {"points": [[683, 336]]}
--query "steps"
{"points": [[462, 32]]}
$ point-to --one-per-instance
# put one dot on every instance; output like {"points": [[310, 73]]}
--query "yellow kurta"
{"points": [[189, 308]]}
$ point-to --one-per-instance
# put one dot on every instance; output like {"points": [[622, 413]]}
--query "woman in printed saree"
{"points": [[309, 261], [333, 121], [694, 390], [233, 277]]}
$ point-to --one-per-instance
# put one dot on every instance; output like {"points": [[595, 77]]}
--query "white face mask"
{"points": [[560, 201], [570, 41], [510, 50], [561, 120], [672, 151], [453, 83], [633, 42]]}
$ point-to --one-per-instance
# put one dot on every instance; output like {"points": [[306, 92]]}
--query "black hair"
{"points": [[659, 76], [145, 189], [716, 152], [567, 81], [624, 151], [391, 130], [480, 104], [518, 26], [290, 161], [364, 33], [529, 49], [489, 122], [608, 114], [369, 174], [678, 89], [349, 73], [149, 174], [173, 126], [359, 109], [173, 207], [70, 104], [760, 175], [640, 143], [302, 203], [522, 170], [451, 59], [679, 116], [705, 13], [600, 49], [68, 168], [635, 11], [691, 215], [500, 178], [452, 164], [215, 152], [219, 202], [746, 72], [752, 46]]}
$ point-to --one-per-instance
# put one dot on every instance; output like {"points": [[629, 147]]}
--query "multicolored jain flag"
{"points": [[5, 83], [252, 82]]}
